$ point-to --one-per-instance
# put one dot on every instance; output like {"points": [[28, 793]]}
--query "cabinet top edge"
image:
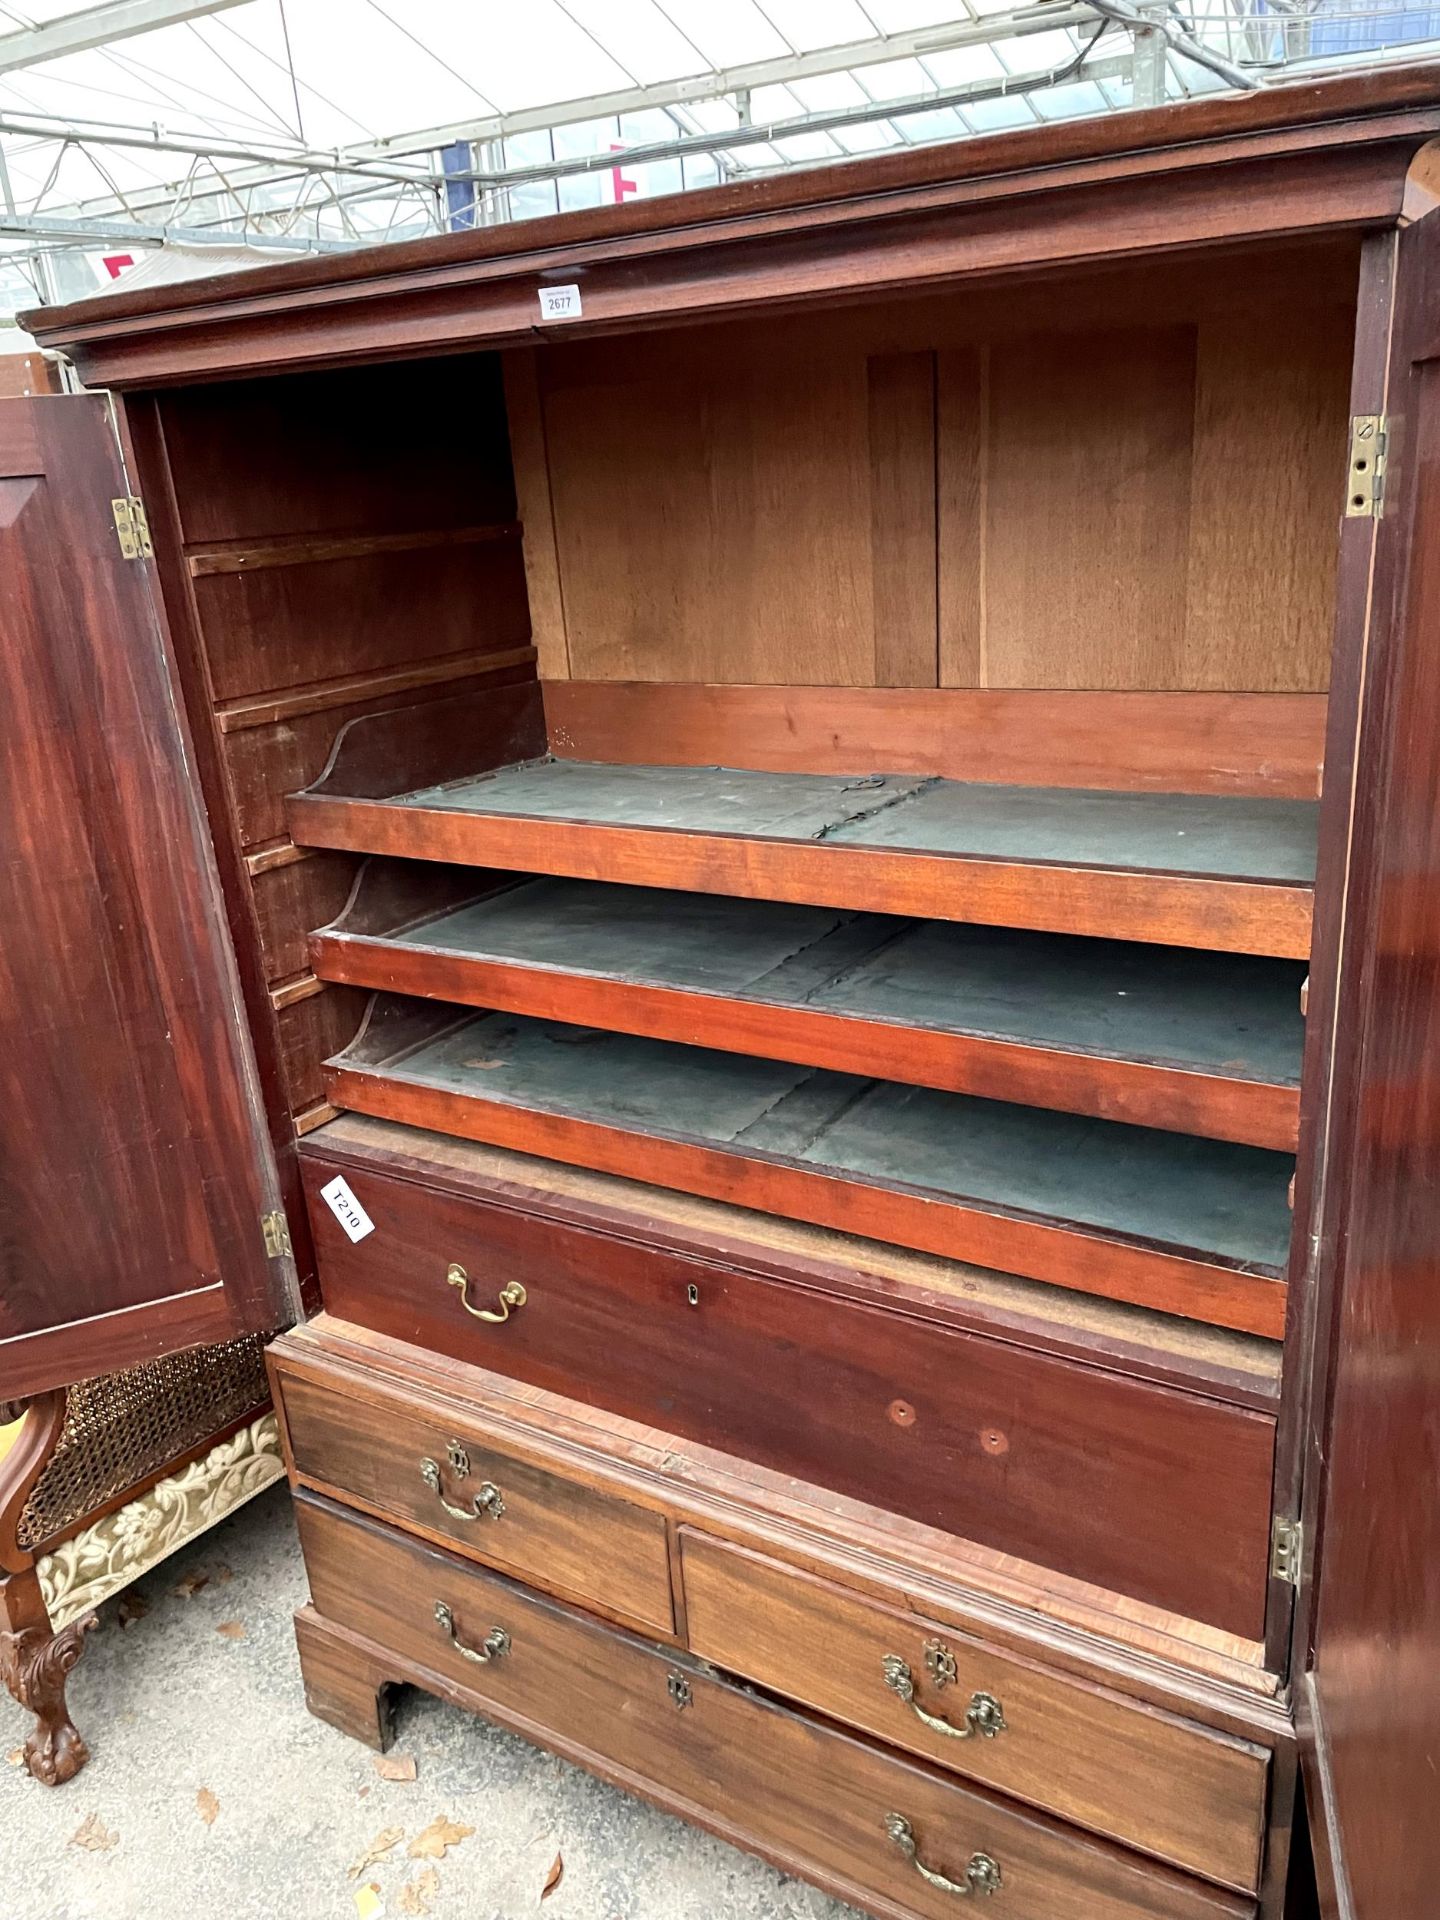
{"points": [[1388, 114]]}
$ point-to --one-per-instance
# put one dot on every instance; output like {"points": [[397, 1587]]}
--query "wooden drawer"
{"points": [[1036, 1455], [1168, 1786], [815, 1800], [586, 1543]]}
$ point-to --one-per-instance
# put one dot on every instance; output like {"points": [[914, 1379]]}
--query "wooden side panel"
{"points": [[1144, 506], [132, 1183], [295, 890], [265, 763], [1373, 1691], [902, 519], [342, 451], [1260, 587], [339, 543], [525, 410], [312, 1025], [282, 627], [27, 375], [706, 513], [962, 461], [1087, 509]]}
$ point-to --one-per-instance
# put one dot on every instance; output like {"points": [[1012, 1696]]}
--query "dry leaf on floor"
{"points": [[187, 1588], [377, 1850], [553, 1877], [437, 1839], [367, 1899], [15, 1757], [133, 1607], [416, 1894], [93, 1835], [222, 1576], [207, 1806], [396, 1766], [232, 1629]]}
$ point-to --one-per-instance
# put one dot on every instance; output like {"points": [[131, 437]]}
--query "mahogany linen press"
{"points": [[779, 849]]}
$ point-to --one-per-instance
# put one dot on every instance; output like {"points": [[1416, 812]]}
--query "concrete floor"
{"points": [[174, 1707]]}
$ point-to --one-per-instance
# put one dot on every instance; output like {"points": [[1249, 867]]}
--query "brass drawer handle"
{"points": [[488, 1503], [494, 1646], [982, 1874], [983, 1715], [512, 1295]]}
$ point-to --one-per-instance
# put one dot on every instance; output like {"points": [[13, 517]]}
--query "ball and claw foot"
{"points": [[35, 1664]]}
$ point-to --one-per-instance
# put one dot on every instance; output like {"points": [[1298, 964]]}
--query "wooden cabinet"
{"points": [[816, 893]]}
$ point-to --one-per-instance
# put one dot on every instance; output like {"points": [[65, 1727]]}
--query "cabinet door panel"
{"points": [[132, 1176], [1369, 1693]]}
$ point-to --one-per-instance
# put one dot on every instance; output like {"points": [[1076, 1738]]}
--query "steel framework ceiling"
{"points": [[309, 125]]}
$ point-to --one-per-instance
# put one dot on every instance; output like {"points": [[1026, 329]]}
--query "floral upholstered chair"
{"points": [[98, 1483]]}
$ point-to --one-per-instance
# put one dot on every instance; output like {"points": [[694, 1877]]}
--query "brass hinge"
{"points": [[276, 1229], [132, 529], [1285, 1551], [1365, 497]]}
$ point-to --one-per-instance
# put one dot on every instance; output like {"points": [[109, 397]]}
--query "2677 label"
{"points": [[560, 303], [346, 1208]]}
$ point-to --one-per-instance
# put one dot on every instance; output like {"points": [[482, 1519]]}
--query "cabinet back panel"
{"points": [[1127, 480]]}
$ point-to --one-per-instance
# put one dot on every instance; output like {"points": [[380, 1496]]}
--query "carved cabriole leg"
{"points": [[343, 1686], [34, 1662]]}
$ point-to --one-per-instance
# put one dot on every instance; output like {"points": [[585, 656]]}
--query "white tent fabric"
{"points": [[289, 123]]}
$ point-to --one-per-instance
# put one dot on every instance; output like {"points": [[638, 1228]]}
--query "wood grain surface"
{"points": [[801, 1791], [1034, 1455]]}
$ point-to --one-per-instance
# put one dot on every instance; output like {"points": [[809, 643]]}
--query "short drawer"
{"points": [[1168, 1786], [1151, 1491], [858, 1819], [399, 1458]]}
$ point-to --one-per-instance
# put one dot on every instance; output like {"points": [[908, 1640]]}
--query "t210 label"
{"points": [[346, 1208]]}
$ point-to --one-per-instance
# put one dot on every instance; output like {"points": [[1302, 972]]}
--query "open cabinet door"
{"points": [[134, 1177], [1369, 1654]]}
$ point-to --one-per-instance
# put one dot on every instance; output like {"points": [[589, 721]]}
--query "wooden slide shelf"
{"points": [[1189, 1041], [1229, 873], [1186, 1226]]}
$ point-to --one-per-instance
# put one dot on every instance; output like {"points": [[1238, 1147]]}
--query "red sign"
{"points": [[116, 263], [621, 185]]}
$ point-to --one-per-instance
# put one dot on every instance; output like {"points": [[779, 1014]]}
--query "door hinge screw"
{"points": [[1285, 1552], [1365, 481], [132, 528]]}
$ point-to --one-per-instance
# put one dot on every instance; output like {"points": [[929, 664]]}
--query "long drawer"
{"points": [[1168, 1786], [887, 1832], [440, 1475], [1146, 1490]]}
